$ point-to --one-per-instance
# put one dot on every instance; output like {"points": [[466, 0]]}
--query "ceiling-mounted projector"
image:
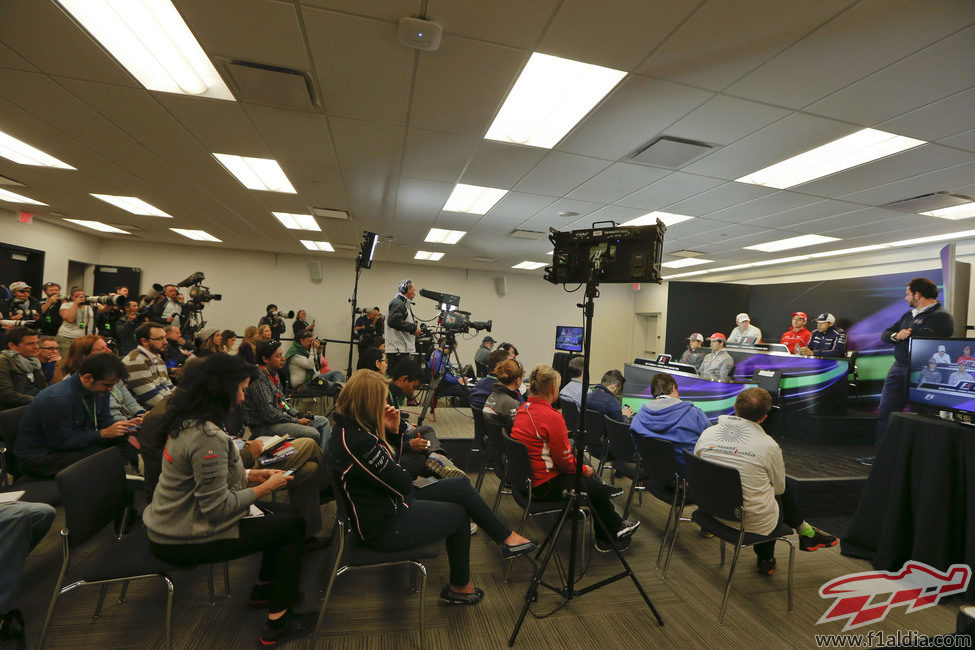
{"points": [[419, 34]]}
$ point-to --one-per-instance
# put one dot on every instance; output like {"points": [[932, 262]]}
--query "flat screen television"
{"points": [[942, 374], [568, 338]]}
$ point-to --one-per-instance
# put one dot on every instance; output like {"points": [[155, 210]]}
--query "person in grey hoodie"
{"points": [[668, 418]]}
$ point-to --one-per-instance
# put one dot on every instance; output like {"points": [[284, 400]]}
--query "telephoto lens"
{"points": [[111, 299]]}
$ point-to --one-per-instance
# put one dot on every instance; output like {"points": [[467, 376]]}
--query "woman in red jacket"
{"points": [[541, 428]]}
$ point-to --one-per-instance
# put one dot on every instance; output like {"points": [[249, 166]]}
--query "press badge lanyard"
{"points": [[277, 384]]}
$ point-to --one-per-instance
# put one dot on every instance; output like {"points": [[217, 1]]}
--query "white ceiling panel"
{"points": [[616, 213], [372, 196], [804, 214], [867, 37], [560, 173], [391, 10], [723, 120], [891, 220], [722, 41], [15, 118], [510, 22], [941, 180], [221, 127], [515, 208], [638, 110], [248, 30], [552, 214], [12, 60], [366, 146], [770, 204], [613, 33], [460, 87], [668, 190], [892, 229], [616, 181], [906, 85], [436, 156], [964, 140], [721, 197], [420, 200], [293, 136], [499, 164], [937, 120], [783, 139], [363, 71], [318, 185]]}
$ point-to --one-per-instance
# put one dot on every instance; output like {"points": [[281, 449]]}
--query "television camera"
{"points": [[452, 319]]}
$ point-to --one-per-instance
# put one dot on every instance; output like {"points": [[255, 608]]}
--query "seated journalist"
{"points": [[572, 391], [21, 374], [505, 399], [482, 389], [668, 418], [605, 397]]}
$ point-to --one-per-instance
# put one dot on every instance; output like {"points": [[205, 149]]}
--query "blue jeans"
{"points": [[318, 428], [893, 397], [22, 525]]}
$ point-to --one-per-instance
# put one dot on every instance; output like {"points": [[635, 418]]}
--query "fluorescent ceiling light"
{"points": [[847, 251], [734, 267], [133, 205], [549, 98], [318, 246], [151, 40], [473, 198], [687, 261], [24, 154], [791, 242], [849, 151], [98, 225], [13, 197], [964, 234], [293, 221], [650, 219], [550, 253], [257, 173], [438, 236], [683, 275], [962, 211], [531, 266], [198, 235], [428, 255]]}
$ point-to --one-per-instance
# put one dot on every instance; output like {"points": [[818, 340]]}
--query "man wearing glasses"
{"points": [[20, 371], [148, 379], [49, 355]]}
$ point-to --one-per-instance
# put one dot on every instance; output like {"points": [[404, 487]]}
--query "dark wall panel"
{"points": [[704, 307]]}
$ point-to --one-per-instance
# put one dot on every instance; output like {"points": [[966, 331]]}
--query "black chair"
{"points": [[627, 463], [716, 489], [478, 445], [94, 496], [570, 413], [853, 377], [596, 439], [497, 459], [35, 490], [658, 459], [346, 555]]}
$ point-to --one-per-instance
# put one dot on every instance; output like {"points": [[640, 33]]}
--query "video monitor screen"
{"points": [[568, 338], [942, 374]]}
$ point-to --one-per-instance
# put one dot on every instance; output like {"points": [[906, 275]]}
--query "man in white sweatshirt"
{"points": [[769, 497]]}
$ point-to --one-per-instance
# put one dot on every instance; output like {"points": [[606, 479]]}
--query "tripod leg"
{"points": [[549, 547]]}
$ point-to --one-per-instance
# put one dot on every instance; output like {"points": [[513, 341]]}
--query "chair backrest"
{"points": [[715, 488], [519, 466], [570, 413], [9, 426], [620, 440], [478, 416], [93, 493], [595, 428], [492, 433], [333, 481], [658, 460]]}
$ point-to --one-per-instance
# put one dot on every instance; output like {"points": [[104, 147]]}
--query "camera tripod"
{"points": [[577, 498], [430, 395]]}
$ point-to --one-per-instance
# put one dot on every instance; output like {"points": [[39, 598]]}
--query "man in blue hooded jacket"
{"points": [[668, 418]]}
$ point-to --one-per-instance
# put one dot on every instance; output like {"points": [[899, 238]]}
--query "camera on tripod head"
{"points": [[199, 294], [452, 319]]}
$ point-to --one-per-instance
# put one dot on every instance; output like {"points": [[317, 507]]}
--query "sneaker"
{"points": [[296, 625], [443, 470], [473, 528], [766, 566], [868, 460], [615, 491], [817, 541], [627, 528], [606, 546], [450, 597]]}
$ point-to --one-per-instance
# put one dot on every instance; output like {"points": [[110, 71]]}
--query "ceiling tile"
{"points": [[559, 173], [638, 110], [936, 120], [723, 196], [317, 185], [419, 199], [363, 71], [509, 22], [221, 127], [770, 204], [804, 214], [670, 189], [723, 120], [293, 136], [391, 10], [617, 181], [12, 60], [964, 140], [949, 179], [499, 164], [365, 146]]}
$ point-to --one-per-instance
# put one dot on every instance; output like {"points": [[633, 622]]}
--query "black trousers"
{"points": [[598, 491], [445, 509], [277, 535], [789, 513], [462, 393], [54, 461]]}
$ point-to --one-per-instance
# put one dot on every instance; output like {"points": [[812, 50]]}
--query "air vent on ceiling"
{"points": [[686, 254], [329, 213], [929, 202], [527, 234], [267, 84], [478, 258], [10, 182], [672, 153]]}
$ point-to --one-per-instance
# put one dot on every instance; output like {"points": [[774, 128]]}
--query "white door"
{"points": [[646, 341]]}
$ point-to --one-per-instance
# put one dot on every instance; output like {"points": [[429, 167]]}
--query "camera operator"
{"points": [[276, 323], [451, 384], [300, 323], [169, 309], [105, 319], [401, 326], [21, 306], [124, 326], [50, 309], [78, 319], [368, 327]]}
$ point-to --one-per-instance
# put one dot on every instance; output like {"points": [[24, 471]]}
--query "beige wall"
{"points": [[59, 244]]}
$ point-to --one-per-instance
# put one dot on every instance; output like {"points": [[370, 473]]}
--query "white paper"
{"points": [[10, 497]]}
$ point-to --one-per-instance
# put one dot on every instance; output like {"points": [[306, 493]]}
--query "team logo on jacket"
{"points": [[167, 457], [210, 454], [866, 598]]}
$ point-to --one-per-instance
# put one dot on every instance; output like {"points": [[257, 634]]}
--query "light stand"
{"points": [[354, 300], [576, 497]]}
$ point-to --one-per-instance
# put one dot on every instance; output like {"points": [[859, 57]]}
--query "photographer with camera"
{"points": [[402, 327], [368, 327], [275, 322], [123, 328], [21, 306], [168, 310], [300, 323], [78, 319], [302, 361], [50, 309]]}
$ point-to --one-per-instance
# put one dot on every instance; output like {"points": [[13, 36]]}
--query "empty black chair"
{"points": [[658, 459], [596, 439], [478, 445], [94, 496], [627, 463], [35, 490], [346, 554], [497, 459], [716, 489]]}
